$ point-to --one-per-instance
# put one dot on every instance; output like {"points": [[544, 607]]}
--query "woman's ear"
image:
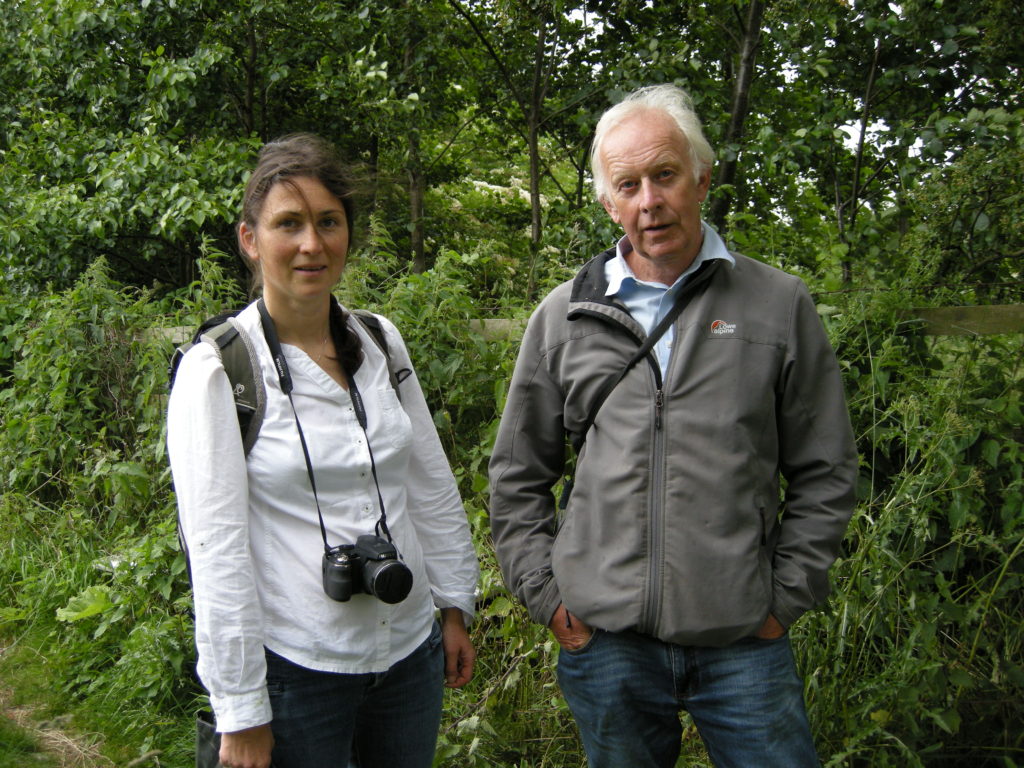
{"points": [[247, 239]]}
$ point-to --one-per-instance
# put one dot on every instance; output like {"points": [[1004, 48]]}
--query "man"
{"points": [[677, 567]]}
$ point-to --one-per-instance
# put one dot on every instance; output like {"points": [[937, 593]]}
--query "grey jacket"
{"points": [[676, 526]]}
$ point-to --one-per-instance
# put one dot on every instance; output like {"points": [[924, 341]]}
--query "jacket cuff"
{"points": [[241, 711], [784, 610], [543, 605]]}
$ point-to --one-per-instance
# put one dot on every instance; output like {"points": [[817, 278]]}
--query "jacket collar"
{"points": [[590, 284]]}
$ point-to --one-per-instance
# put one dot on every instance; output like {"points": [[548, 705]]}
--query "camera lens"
{"points": [[389, 580], [384, 575]]}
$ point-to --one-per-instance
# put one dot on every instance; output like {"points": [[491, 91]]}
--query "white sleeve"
{"points": [[211, 485], [434, 504]]}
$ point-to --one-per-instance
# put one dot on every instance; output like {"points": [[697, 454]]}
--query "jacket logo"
{"points": [[722, 328]]}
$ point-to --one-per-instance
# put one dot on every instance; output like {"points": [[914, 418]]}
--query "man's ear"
{"points": [[610, 207], [704, 184]]}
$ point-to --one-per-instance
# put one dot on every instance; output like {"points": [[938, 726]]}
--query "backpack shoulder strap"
{"points": [[238, 355], [235, 350], [372, 324]]}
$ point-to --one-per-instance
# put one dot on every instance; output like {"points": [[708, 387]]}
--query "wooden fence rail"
{"points": [[970, 321], [936, 321]]}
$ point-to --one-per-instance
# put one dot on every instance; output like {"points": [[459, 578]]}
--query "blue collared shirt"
{"points": [[649, 302]]}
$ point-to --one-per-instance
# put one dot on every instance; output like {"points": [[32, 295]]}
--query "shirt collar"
{"points": [[617, 269]]}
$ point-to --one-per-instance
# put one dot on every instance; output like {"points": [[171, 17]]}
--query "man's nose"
{"points": [[650, 195]]}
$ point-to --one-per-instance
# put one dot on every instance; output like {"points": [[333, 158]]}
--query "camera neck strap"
{"points": [[285, 380]]}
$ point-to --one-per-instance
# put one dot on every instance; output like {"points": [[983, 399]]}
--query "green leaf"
{"points": [[500, 606], [990, 451], [948, 720], [91, 602]]}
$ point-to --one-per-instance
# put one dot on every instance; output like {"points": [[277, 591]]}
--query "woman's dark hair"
{"points": [[294, 156]]}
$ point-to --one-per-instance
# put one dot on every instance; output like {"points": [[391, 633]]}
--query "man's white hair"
{"points": [[674, 102]]}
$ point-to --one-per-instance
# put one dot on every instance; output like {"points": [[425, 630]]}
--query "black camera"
{"points": [[370, 566]]}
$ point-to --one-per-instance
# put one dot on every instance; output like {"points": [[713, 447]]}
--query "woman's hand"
{"points": [[459, 655], [250, 748]]}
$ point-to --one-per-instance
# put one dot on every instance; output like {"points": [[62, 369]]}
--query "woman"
{"points": [[299, 677]]}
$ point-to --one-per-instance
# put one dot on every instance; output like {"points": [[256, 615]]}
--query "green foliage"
{"points": [[128, 130], [94, 580], [918, 659], [971, 230], [80, 410], [438, 316]]}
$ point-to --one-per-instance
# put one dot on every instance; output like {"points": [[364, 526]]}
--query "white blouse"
{"points": [[253, 534]]}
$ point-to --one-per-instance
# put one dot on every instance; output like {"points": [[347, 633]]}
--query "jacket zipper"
{"points": [[650, 615]]}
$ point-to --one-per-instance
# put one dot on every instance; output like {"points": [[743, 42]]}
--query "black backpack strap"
{"points": [[372, 324], [236, 351], [237, 354]]}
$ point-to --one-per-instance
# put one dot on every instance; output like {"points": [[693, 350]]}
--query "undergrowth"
{"points": [[915, 661]]}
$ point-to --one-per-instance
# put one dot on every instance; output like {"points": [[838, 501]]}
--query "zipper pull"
{"points": [[659, 401]]}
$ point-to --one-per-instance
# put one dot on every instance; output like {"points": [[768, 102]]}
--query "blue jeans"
{"points": [[382, 720], [625, 691]]}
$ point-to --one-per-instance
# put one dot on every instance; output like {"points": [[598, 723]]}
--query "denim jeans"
{"points": [[382, 720], [626, 690]]}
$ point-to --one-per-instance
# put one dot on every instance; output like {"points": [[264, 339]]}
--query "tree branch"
{"points": [[490, 51]]}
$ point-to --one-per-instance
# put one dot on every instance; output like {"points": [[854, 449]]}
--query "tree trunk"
{"points": [[865, 119], [414, 168], [417, 191], [726, 175], [533, 139]]}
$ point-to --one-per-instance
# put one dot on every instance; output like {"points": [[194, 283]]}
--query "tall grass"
{"points": [[916, 660]]}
